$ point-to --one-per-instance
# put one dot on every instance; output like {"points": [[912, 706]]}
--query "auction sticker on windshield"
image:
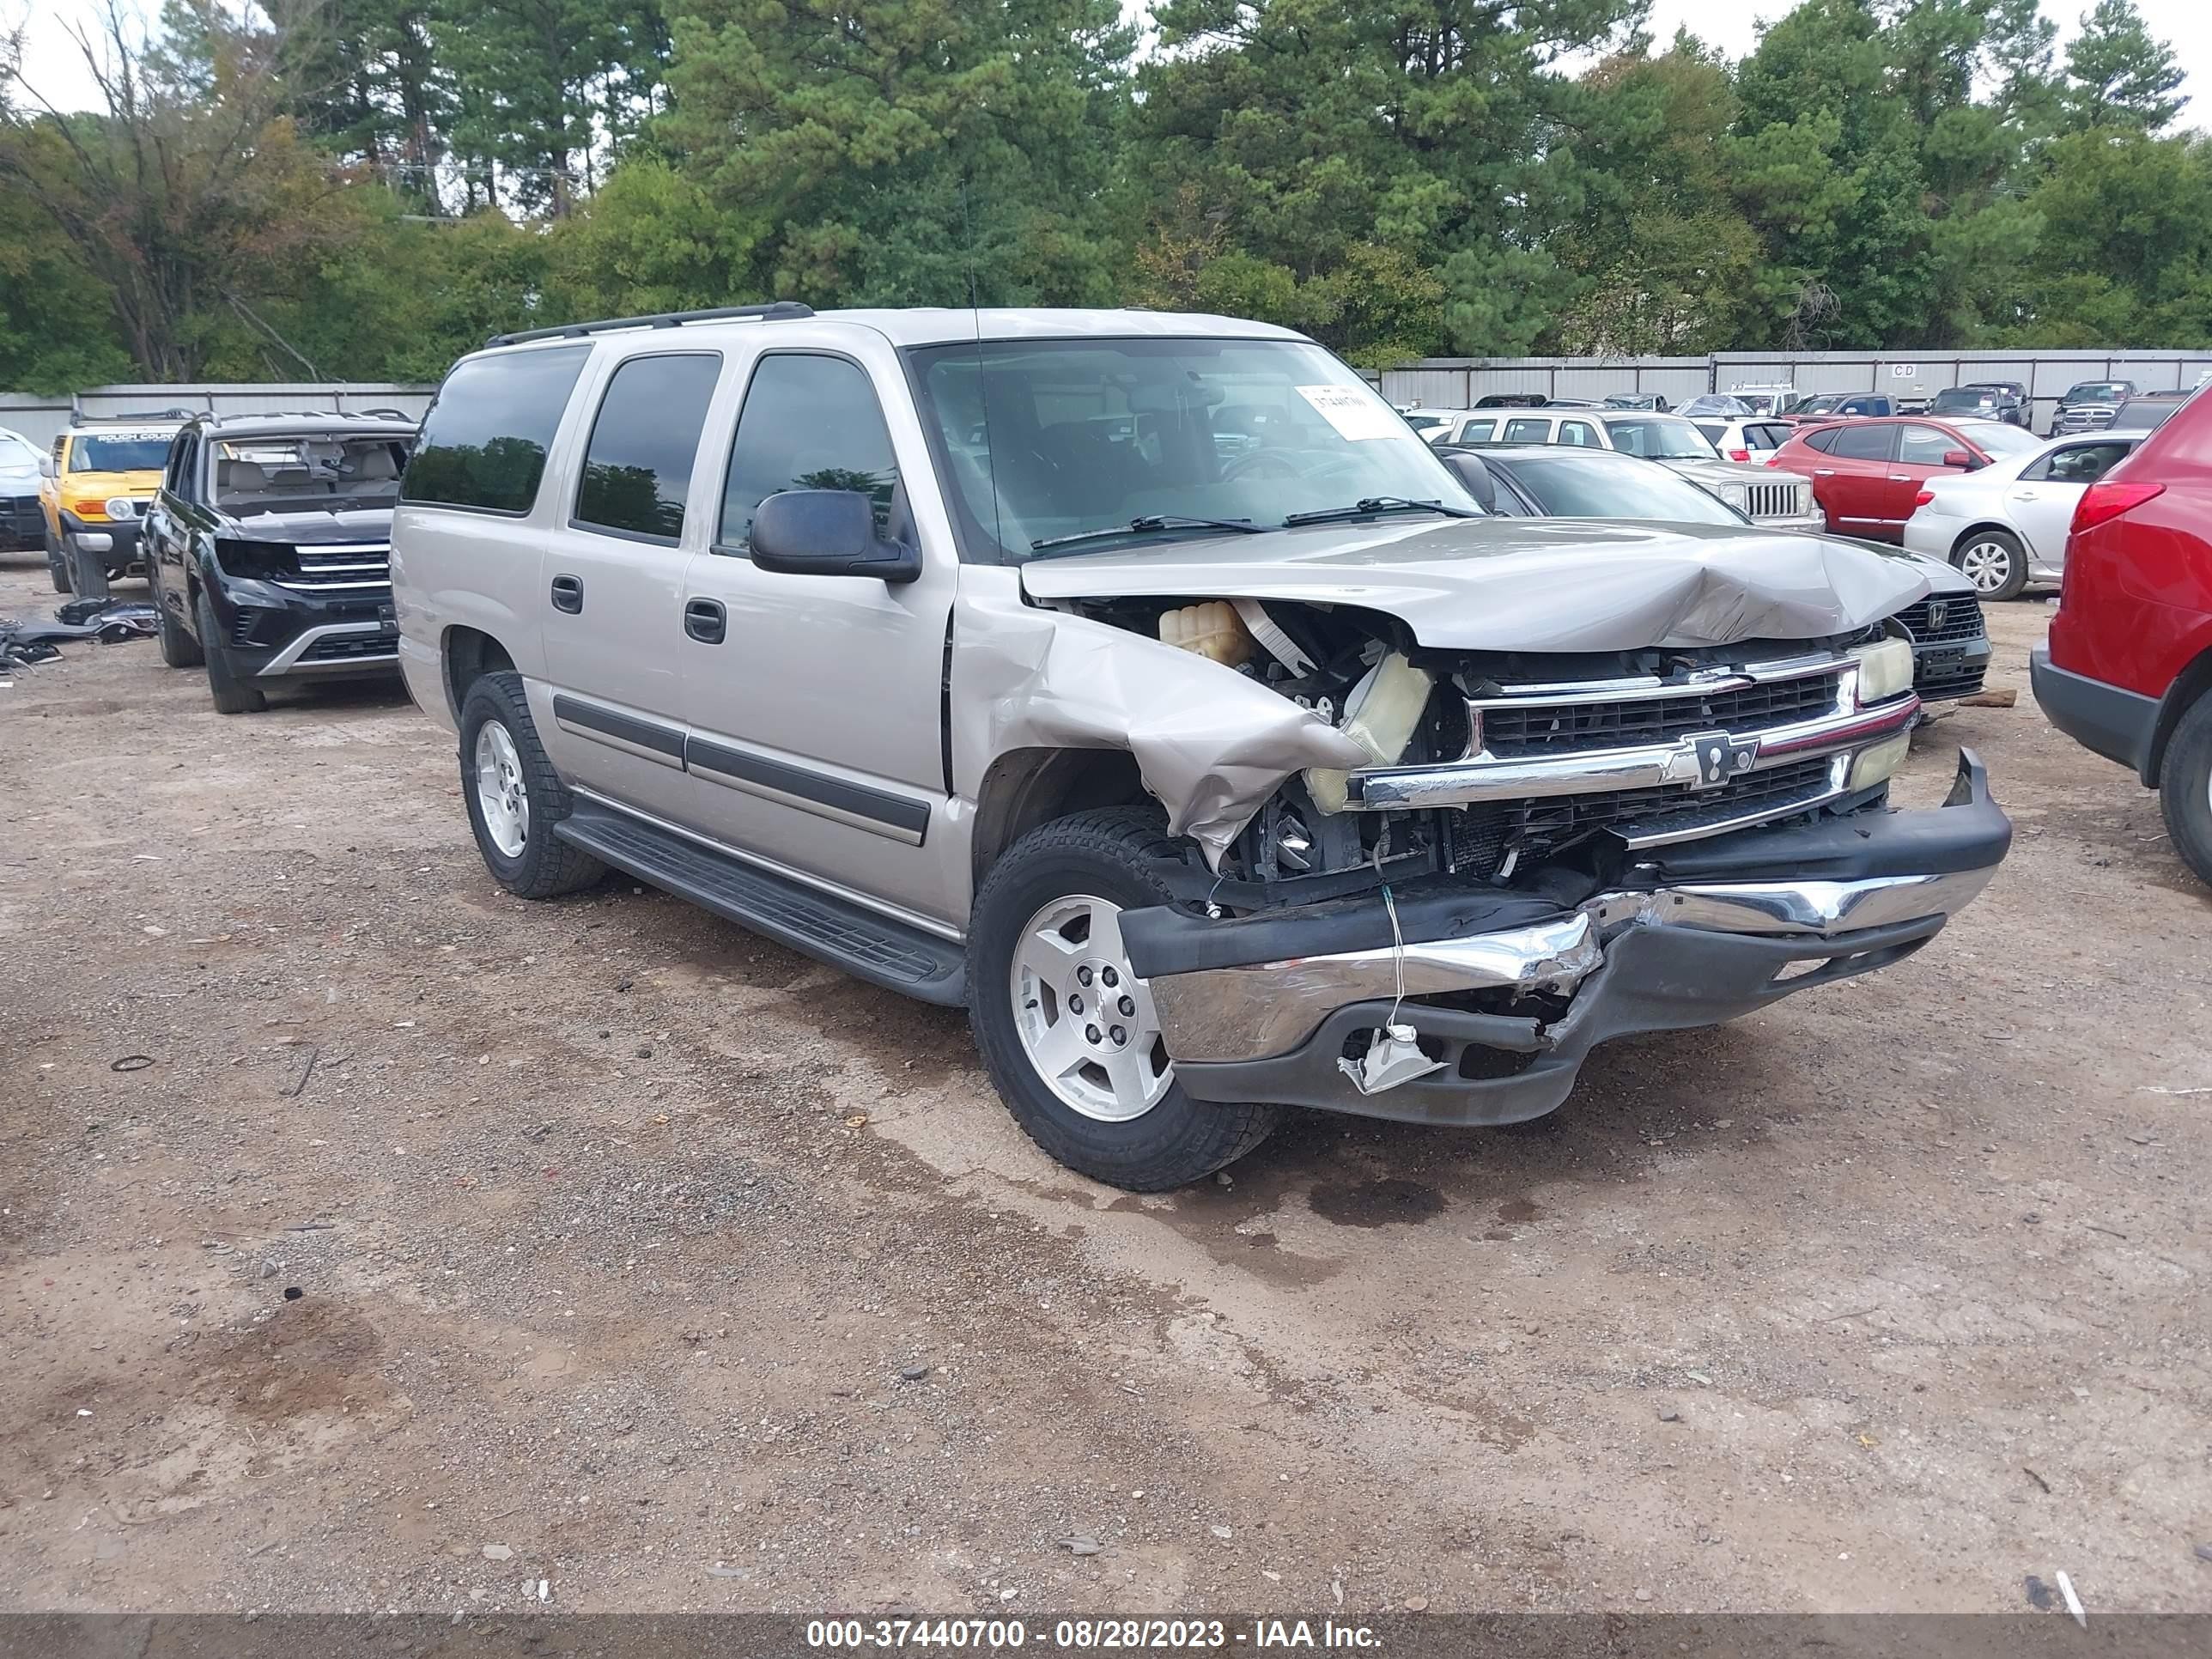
{"points": [[1355, 414]]}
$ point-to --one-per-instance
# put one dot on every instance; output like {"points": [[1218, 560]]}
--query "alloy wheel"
{"points": [[1086, 1022]]}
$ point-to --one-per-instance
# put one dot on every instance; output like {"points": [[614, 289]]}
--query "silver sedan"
{"points": [[2004, 525]]}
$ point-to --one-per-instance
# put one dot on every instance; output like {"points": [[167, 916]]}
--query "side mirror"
{"points": [[827, 532], [1478, 479], [46, 466], [1965, 461]]}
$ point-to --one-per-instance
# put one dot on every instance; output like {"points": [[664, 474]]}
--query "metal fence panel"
{"points": [[1429, 388], [41, 419]]}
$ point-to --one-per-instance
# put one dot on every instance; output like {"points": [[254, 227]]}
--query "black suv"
{"points": [[269, 548]]}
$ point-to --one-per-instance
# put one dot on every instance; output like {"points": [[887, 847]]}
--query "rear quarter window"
{"points": [[484, 441]]}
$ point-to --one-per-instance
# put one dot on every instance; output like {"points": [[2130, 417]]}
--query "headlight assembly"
{"points": [[1885, 671]]}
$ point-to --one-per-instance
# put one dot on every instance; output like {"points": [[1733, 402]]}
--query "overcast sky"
{"points": [[57, 70]]}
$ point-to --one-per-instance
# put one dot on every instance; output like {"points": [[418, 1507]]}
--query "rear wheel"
{"points": [[232, 695], [1067, 1029], [1995, 561], [2185, 787]]}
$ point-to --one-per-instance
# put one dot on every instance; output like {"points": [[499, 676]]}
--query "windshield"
{"points": [[1051, 439], [1605, 487], [1662, 439], [2096, 391], [120, 451], [1421, 423], [1960, 397]]}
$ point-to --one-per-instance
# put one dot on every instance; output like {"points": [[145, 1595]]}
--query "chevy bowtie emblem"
{"points": [[1937, 610], [1721, 757]]}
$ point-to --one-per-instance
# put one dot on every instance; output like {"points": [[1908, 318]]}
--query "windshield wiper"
{"points": [[1374, 504], [1147, 522]]}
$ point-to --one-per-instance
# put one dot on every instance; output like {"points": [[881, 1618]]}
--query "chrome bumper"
{"points": [[1262, 1009]]}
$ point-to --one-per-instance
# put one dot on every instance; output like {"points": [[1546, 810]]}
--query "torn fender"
{"points": [[1210, 743]]}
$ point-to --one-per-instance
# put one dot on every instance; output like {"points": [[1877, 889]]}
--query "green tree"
{"points": [[2119, 75], [908, 151]]}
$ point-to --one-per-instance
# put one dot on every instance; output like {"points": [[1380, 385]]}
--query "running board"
{"points": [[864, 943]]}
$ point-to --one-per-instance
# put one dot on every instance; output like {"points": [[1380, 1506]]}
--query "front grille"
{"points": [[2087, 417], [344, 648], [328, 567], [19, 516], [1542, 825], [1559, 728], [1961, 619], [1775, 500]]}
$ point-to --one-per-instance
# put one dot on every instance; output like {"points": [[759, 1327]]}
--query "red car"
{"points": [[1867, 473], [2127, 670]]}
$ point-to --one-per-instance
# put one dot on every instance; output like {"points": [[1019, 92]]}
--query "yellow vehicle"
{"points": [[95, 488]]}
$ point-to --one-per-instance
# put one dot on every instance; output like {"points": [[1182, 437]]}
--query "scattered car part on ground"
{"points": [[105, 621], [1191, 773], [1867, 473], [2128, 670], [2005, 524], [270, 549]]}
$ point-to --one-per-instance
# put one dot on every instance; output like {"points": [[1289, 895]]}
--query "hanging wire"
{"points": [[1397, 954]]}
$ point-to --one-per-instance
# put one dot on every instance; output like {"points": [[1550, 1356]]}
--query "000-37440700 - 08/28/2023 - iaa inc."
{"points": [[995, 1635]]}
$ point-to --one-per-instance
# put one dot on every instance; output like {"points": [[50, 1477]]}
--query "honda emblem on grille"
{"points": [[1721, 757], [1937, 610]]}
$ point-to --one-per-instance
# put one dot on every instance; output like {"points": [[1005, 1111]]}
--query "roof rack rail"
{"points": [[776, 311], [78, 417]]}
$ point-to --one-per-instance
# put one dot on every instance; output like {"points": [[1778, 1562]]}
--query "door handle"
{"points": [[1824, 473], [705, 621], [568, 593], [1900, 478], [2023, 495]]}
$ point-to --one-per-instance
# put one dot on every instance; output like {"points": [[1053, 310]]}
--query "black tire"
{"points": [[232, 695], [2016, 576], [2185, 787], [1117, 855], [546, 866], [58, 566], [179, 648]]}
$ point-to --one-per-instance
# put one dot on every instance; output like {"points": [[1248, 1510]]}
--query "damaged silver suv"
{"points": [[1145, 686]]}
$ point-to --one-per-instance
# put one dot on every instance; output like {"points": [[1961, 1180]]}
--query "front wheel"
{"points": [[2185, 787], [58, 565], [514, 795], [232, 695], [1066, 1028], [1995, 561], [179, 648]]}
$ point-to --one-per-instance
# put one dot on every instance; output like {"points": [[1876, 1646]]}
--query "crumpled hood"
{"points": [[307, 529], [1524, 584]]}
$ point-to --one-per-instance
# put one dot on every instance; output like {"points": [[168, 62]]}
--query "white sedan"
{"points": [[2004, 525]]}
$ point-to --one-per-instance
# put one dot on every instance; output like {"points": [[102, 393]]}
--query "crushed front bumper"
{"points": [[1264, 1008]]}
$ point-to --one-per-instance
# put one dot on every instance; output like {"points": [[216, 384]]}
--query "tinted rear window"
{"points": [[484, 442], [637, 467]]}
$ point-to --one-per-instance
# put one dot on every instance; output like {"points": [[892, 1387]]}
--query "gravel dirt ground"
{"points": [[639, 1256]]}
